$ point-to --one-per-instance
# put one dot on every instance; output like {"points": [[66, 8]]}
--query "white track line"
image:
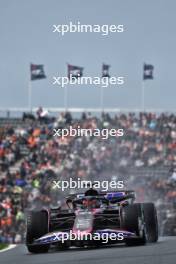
{"points": [[8, 248]]}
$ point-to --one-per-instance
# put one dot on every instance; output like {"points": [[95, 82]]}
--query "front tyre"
{"points": [[151, 222], [37, 226], [132, 220]]}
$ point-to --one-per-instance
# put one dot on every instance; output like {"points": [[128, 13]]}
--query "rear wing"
{"points": [[112, 196]]}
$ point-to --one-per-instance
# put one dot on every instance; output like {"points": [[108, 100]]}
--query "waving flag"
{"points": [[105, 70], [37, 72], [74, 71], [148, 71]]}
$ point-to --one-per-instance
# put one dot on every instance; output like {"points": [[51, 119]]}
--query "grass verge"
{"points": [[2, 246]]}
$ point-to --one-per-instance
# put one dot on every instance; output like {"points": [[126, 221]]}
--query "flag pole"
{"points": [[102, 98], [143, 96], [65, 98], [30, 96], [65, 90]]}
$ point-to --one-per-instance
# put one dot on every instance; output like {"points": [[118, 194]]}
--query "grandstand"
{"points": [[30, 158]]}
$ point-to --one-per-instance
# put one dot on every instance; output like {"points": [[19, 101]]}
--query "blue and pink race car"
{"points": [[93, 219]]}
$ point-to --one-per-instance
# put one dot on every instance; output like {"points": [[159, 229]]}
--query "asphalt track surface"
{"points": [[163, 252]]}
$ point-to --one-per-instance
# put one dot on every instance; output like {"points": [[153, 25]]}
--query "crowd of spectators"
{"points": [[31, 158]]}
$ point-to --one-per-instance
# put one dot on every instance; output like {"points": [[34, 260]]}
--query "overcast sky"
{"points": [[150, 36]]}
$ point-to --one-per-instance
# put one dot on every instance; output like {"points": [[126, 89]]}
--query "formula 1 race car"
{"points": [[108, 213]]}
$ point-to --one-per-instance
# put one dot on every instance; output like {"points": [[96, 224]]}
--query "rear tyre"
{"points": [[132, 220], [151, 222], [37, 226]]}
